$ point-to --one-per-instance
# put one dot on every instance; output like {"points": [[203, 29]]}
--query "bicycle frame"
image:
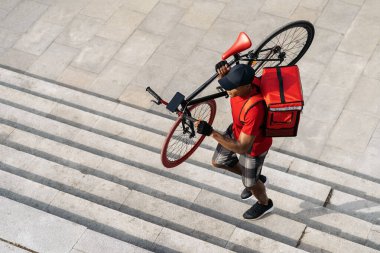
{"points": [[190, 100]]}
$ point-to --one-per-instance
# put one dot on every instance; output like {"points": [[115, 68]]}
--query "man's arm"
{"points": [[240, 146]]}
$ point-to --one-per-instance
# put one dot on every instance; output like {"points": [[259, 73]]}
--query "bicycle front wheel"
{"points": [[182, 140], [288, 43]]}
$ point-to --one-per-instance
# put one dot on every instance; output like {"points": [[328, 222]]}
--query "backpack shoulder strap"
{"points": [[251, 102]]}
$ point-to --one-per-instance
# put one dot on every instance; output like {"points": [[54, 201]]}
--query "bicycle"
{"points": [[285, 46]]}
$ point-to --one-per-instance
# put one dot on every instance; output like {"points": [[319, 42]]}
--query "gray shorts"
{"points": [[250, 165]]}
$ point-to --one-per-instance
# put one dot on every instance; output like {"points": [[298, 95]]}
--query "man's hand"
{"points": [[222, 68], [203, 127]]}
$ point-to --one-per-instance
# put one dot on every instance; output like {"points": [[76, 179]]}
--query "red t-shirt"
{"points": [[252, 124]]}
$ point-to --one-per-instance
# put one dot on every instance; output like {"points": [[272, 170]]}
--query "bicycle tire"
{"points": [[284, 32], [182, 141]]}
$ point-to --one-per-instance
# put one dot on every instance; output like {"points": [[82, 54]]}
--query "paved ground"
{"points": [[117, 47]]}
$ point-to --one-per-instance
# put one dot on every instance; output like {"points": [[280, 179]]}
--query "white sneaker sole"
{"points": [[267, 211]]}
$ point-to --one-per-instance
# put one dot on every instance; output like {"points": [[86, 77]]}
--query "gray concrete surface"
{"points": [[77, 139], [115, 48]]}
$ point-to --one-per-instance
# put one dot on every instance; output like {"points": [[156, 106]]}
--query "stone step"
{"points": [[103, 219], [61, 203], [239, 237], [342, 181], [314, 192], [145, 139], [307, 216], [8, 247], [98, 113], [123, 114], [38, 231], [328, 243], [43, 232], [362, 208], [149, 183]]}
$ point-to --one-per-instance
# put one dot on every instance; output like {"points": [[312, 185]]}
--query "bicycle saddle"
{"points": [[242, 43]]}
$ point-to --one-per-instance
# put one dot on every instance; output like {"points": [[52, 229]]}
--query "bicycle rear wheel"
{"points": [[182, 141], [289, 43]]}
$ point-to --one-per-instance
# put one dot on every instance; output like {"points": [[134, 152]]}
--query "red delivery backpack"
{"points": [[282, 92]]}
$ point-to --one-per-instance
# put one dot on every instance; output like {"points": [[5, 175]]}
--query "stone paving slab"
{"points": [[8, 38], [342, 134], [8, 5], [174, 45], [23, 15], [364, 97], [62, 12], [222, 32], [43, 105], [82, 78], [281, 228], [5, 131], [374, 236], [335, 178], [17, 59], [162, 19], [162, 237], [315, 241], [104, 216], [242, 237], [138, 49], [287, 8], [202, 14], [182, 242], [209, 229], [80, 31], [39, 231], [121, 25], [144, 6], [101, 9], [38, 38], [96, 54], [359, 206], [9, 248], [54, 60], [28, 189], [115, 78], [94, 242], [72, 180], [338, 16]]}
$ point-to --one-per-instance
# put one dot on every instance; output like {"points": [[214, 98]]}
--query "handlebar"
{"points": [[156, 96]]}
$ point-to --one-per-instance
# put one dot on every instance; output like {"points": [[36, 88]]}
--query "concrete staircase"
{"points": [[82, 173]]}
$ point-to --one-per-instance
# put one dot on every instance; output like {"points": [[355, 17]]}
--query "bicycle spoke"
{"points": [[182, 141]]}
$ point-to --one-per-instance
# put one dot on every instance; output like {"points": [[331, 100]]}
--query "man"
{"points": [[245, 138]]}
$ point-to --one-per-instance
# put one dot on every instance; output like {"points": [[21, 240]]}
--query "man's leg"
{"points": [[235, 169], [224, 158], [259, 191], [251, 170]]}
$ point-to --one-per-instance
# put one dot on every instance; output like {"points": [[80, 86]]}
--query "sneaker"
{"points": [[257, 210], [246, 193]]}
